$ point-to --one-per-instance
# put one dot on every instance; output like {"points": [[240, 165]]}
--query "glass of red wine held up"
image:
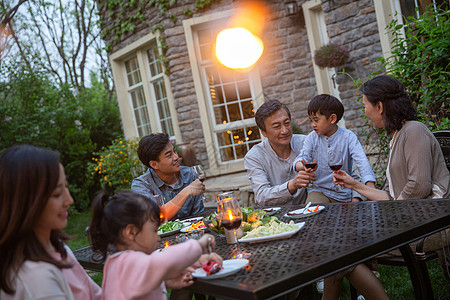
{"points": [[335, 163], [230, 214], [309, 161]]}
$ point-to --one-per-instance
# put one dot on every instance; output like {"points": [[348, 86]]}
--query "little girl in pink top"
{"points": [[128, 223]]}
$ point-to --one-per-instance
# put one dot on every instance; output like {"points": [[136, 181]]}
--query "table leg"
{"points": [[422, 286]]}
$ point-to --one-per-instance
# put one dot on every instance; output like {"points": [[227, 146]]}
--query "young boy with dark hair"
{"points": [[325, 111], [179, 185]]}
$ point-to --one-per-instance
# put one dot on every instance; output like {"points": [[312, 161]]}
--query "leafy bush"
{"points": [[117, 164], [34, 110], [421, 61]]}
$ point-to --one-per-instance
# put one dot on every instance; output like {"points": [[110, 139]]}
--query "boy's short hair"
{"points": [[326, 105], [266, 110], [151, 146]]}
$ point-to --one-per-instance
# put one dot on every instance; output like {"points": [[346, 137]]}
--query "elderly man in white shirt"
{"points": [[269, 163]]}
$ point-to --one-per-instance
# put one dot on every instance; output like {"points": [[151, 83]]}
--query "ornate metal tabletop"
{"points": [[339, 236]]}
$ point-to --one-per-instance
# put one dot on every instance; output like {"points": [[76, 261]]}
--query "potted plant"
{"points": [[330, 56]]}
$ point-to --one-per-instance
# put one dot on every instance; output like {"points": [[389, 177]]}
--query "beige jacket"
{"points": [[417, 163]]}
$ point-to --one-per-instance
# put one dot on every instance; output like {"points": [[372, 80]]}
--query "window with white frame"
{"points": [[231, 100], [147, 92], [416, 8], [136, 94]]}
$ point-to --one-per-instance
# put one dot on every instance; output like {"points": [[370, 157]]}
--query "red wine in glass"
{"points": [[230, 214], [335, 163], [336, 168], [309, 161], [310, 165], [233, 224]]}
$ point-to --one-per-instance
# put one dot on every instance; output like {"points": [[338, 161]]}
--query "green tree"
{"points": [[421, 61], [36, 111]]}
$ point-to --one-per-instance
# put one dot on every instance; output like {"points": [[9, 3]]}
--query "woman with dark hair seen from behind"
{"points": [[34, 202], [416, 167]]}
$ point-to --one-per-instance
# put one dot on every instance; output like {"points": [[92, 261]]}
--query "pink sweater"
{"points": [[82, 286], [136, 275]]}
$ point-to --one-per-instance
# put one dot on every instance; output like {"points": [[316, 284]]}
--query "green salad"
{"points": [[273, 227], [170, 226]]}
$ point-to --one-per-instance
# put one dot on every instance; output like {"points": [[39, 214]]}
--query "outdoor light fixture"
{"points": [[238, 48], [291, 8], [239, 45]]}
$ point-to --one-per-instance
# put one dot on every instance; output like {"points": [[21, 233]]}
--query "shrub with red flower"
{"points": [[330, 56]]}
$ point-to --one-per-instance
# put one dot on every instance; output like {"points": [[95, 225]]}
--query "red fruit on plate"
{"points": [[211, 267]]}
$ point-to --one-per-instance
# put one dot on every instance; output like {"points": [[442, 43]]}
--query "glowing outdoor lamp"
{"points": [[239, 46]]}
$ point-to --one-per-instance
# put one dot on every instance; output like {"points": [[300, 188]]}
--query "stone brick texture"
{"points": [[286, 66]]}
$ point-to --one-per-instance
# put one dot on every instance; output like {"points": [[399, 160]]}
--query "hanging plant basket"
{"points": [[330, 56]]}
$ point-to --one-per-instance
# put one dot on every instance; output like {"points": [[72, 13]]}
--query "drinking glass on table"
{"points": [[335, 162], [230, 215], [201, 175], [309, 161], [159, 199]]}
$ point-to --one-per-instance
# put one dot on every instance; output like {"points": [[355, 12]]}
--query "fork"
{"points": [[209, 248]]}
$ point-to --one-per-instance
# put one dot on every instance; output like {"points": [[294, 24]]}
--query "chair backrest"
{"points": [[443, 137]]}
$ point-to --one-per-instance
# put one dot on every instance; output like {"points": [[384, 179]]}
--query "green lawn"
{"points": [[395, 280]]}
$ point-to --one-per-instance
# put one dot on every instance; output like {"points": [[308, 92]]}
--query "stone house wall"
{"points": [[286, 67]]}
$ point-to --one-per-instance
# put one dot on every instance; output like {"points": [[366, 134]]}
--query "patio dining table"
{"points": [[339, 236]]}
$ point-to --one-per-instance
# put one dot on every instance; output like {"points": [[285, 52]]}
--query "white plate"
{"points": [[184, 229], [277, 236], [169, 232], [271, 210], [189, 221], [305, 214], [230, 266]]}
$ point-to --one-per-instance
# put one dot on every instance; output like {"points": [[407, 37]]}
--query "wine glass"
{"points": [[159, 199], [230, 215], [201, 175], [309, 160], [335, 163]]}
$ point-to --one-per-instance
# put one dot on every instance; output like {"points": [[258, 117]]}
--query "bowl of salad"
{"points": [[170, 227]]}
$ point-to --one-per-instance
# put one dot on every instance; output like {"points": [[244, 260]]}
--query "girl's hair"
{"points": [[397, 106], [111, 214], [28, 177]]}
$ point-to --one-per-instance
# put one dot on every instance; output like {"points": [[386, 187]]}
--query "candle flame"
{"points": [[230, 215], [166, 244]]}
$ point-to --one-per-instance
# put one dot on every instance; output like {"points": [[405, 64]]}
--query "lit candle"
{"points": [[230, 215]]}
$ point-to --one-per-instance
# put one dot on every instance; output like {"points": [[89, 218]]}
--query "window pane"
{"points": [[206, 52], [234, 112], [248, 110], [216, 95], [205, 41], [132, 69], [213, 76], [140, 111], [153, 60], [230, 92], [227, 75], [408, 8], [234, 144], [244, 90], [220, 114]]}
